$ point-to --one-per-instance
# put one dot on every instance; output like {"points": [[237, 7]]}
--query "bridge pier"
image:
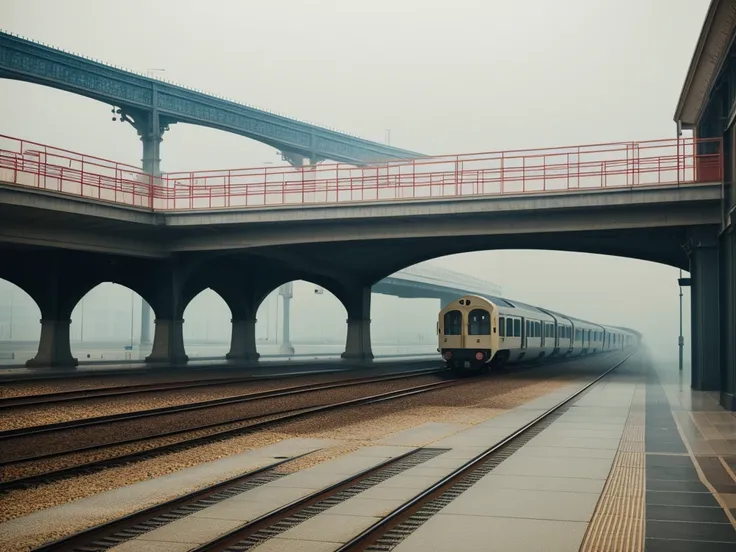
{"points": [[704, 271], [287, 292], [54, 348], [243, 341], [168, 342], [358, 341]]}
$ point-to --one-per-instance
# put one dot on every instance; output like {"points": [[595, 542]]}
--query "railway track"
{"points": [[251, 423], [235, 399], [10, 403], [25, 401], [381, 536]]}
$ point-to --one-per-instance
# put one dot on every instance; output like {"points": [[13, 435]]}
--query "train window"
{"points": [[479, 322], [502, 327], [537, 329], [453, 321], [517, 328], [509, 327]]}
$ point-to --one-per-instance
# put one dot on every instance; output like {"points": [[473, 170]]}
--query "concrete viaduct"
{"points": [[58, 247]]}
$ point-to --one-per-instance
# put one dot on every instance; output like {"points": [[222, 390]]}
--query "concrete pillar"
{"points": [[145, 323], [727, 261], [168, 342], [151, 160], [287, 292], [243, 341], [705, 315], [358, 342], [54, 350]]}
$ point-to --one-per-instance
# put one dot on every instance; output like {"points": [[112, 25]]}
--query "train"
{"points": [[483, 334]]}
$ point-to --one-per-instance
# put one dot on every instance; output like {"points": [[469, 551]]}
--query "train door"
{"points": [[542, 333], [573, 332], [452, 330], [524, 332]]}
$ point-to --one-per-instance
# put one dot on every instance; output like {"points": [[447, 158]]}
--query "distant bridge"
{"points": [[151, 105]]}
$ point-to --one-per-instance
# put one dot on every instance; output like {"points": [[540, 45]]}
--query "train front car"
{"points": [[467, 331]]}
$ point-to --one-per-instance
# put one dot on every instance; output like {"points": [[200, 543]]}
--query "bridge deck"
{"points": [[542, 171]]}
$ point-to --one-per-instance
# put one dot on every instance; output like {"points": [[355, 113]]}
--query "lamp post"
{"points": [[10, 330], [681, 341], [132, 310], [81, 327]]}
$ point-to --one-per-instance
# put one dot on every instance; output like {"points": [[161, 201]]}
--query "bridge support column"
{"points": [[703, 253], [168, 342], [358, 342], [243, 341], [287, 292], [151, 160], [54, 350], [145, 323]]}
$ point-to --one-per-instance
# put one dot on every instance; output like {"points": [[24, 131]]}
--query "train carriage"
{"points": [[482, 333]]}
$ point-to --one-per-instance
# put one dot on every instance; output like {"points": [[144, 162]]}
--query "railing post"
{"points": [[523, 173], [503, 173], [457, 174], [544, 173]]}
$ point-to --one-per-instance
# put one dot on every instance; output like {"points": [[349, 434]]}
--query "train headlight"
{"points": [[448, 355], [478, 356]]}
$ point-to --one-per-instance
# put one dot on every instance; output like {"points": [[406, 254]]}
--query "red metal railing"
{"points": [[551, 170]]}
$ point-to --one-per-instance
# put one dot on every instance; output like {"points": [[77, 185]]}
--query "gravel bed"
{"points": [[41, 387], [68, 439], [355, 428], [49, 414]]}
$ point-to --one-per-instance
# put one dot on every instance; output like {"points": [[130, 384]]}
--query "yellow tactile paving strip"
{"points": [[618, 520]]}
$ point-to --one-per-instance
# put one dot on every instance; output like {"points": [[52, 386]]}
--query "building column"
{"points": [[243, 341], [703, 253], [358, 342], [287, 292], [727, 260], [54, 349], [168, 342]]}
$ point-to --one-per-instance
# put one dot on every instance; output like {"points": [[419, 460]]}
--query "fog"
{"points": [[443, 77]]}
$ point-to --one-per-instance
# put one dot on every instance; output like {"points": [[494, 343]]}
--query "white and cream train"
{"points": [[483, 333]]}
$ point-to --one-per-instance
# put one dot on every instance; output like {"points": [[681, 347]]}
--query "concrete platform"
{"points": [[639, 463]]}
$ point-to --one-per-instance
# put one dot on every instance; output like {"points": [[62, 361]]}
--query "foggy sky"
{"points": [[445, 77]]}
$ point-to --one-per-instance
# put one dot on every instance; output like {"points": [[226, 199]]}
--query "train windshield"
{"points": [[479, 322], [453, 322]]}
